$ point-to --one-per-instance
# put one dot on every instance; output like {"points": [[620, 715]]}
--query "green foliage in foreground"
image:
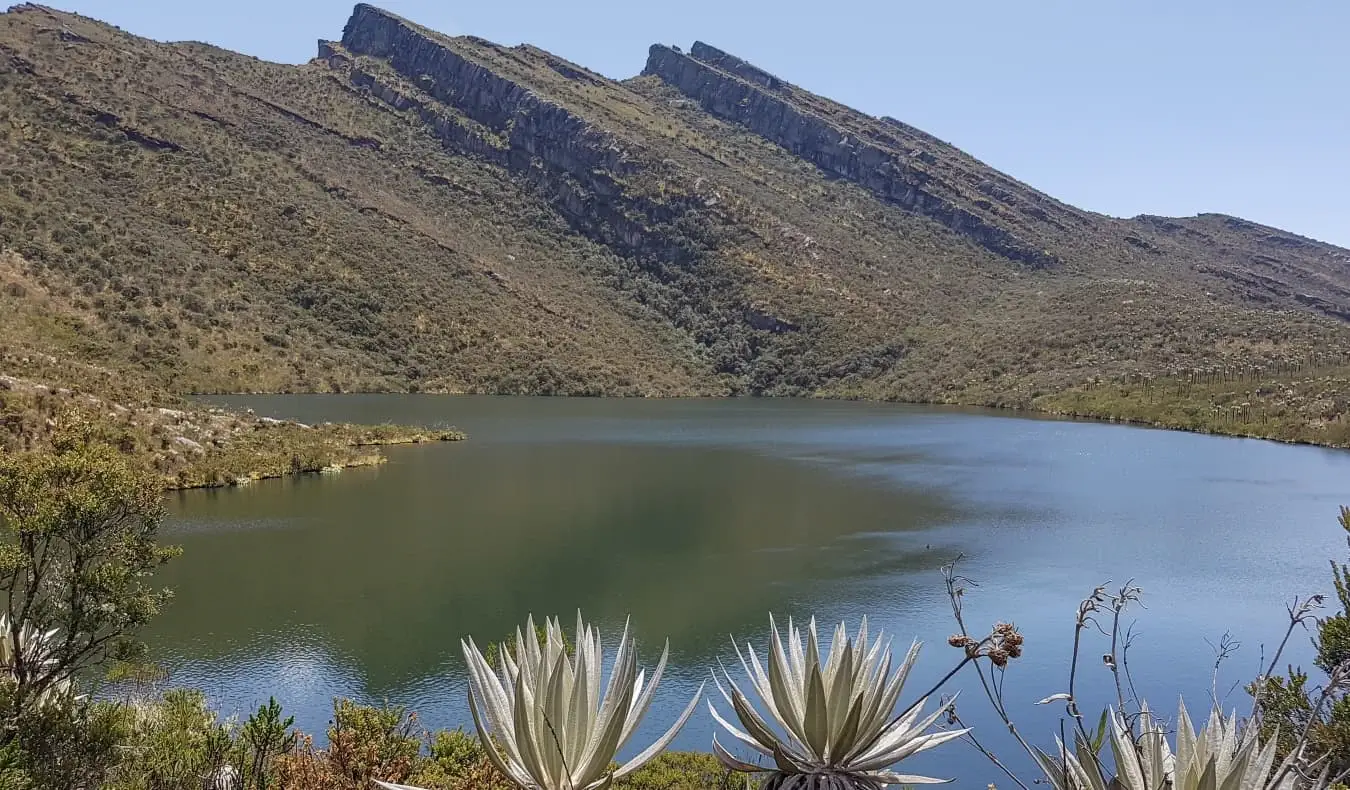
{"points": [[836, 711], [175, 742], [552, 723], [78, 523], [1298, 705], [78, 529]]}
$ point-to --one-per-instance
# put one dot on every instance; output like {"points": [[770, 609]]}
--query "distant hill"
{"points": [[410, 211]]}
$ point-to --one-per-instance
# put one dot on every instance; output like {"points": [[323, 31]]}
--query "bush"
{"points": [[264, 737], [78, 525], [1289, 706], [72, 744], [457, 762], [680, 771], [171, 743], [365, 743]]}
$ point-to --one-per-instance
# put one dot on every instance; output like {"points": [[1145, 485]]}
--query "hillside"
{"points": [[410, 211]]}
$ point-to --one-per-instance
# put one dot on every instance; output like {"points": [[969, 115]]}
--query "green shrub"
{"points": [[368, 742], [13, 774], [455, 751], [456, 761], [72, 744], [1290, 705], [265, 736], [680, 771], [78, 529], [365, 743], [171, 743]]}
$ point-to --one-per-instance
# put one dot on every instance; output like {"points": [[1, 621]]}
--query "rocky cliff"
{"points": [[579, 165], [737, 91]]}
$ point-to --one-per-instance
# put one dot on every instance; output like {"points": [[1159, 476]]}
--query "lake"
{"points": [[700, 517]]}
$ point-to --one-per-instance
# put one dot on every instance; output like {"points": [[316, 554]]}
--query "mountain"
{"points": [[411, 211]]}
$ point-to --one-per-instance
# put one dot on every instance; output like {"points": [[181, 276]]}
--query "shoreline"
{"points": [[340, 457], [1138, 422], [1048, 411]]}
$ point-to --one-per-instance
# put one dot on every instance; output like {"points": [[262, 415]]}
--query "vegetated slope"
{"points": [[192, 446], [414, 211]]}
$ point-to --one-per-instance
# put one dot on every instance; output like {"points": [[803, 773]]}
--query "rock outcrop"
{"points": [[586, 170], [736, 91], [580, 167]]}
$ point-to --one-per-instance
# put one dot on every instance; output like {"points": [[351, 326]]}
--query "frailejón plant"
{"points": [[24, 656], [1218, 757], [545, 720], [834, 727]]}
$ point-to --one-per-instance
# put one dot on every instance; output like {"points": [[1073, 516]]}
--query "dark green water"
{"points": [[698, 518]]}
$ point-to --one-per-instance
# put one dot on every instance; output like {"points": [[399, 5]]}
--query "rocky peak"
{"points": [[375, 28], [733, 65], [892, 160]]}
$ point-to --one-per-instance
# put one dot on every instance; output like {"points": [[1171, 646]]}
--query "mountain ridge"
{"points": [[414, 211]]}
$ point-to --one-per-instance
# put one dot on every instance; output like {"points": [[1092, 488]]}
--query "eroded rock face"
{"points": [[737, 91], [579, 166], [734, 65], [586, 170]]}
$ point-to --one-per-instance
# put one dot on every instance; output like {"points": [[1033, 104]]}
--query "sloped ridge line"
{"points": [[736, 91]]}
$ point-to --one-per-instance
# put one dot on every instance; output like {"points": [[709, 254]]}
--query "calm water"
{"points": [[699, 518]]}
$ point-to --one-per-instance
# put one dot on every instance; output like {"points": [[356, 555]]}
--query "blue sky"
{"points": [[1121, 106]]}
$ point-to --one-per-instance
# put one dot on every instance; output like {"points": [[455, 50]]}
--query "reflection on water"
{"points": [[697, 518]]}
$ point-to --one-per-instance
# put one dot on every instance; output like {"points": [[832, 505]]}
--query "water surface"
{"points": [[698, 518]]}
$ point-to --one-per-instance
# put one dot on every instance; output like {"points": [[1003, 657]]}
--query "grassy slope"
{"points": [[203, 221]]}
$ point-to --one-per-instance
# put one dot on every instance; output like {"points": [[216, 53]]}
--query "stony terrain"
{"points": [[410, 211]]}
